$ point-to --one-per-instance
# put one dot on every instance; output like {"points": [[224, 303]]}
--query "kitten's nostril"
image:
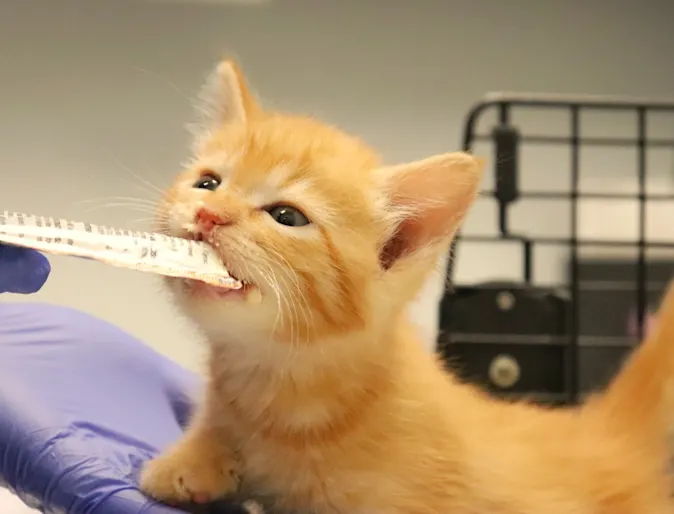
{"points": [[207, 219]]}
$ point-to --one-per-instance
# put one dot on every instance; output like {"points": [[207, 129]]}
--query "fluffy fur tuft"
{"points": [[319, 394]]}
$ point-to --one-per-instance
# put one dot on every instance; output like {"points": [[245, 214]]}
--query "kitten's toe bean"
{"points": [[181, 477]]}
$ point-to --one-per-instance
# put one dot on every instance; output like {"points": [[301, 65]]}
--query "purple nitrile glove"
{"points": [[82, 406], [22, 270]]}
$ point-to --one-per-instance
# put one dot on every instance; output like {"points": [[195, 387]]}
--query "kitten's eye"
{"points": [[209, 181], [289, 216]]}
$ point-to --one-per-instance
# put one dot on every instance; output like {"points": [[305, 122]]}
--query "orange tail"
{"points": [[641, 396]]}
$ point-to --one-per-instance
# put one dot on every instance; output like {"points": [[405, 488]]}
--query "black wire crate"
{"points": [[580, 191]]}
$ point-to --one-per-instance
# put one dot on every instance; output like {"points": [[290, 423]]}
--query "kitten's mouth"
{"points": [[247, 291]]}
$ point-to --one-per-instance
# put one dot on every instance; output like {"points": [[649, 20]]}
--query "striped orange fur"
{"points": [[319, 394]]}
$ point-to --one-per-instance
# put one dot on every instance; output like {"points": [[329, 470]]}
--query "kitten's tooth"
{"points": [[254, 296]]}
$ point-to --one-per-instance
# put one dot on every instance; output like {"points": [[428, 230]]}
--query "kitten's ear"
{"points": [[425, 201], [225, 98]]}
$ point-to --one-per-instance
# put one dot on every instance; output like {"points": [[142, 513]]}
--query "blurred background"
{"points": [[95, 95]]}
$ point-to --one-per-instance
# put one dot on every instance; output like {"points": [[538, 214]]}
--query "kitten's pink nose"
{"points": [[207, 220]]}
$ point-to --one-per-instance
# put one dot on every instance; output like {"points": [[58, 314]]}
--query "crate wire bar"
{"points": [[507, 139]]}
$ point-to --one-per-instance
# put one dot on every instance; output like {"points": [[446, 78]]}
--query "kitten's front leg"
{"points": [[200, 467]]}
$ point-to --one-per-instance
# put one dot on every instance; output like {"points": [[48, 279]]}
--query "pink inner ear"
{"points": [[433, 195], [412, 233], [394, 248]]}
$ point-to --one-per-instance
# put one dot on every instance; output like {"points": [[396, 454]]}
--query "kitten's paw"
{"points": [[183, 476]]}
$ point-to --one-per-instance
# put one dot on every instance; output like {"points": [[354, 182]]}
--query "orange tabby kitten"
{"points": [[320, 394]]}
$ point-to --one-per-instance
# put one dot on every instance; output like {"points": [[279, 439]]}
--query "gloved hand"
{"points": [[82, 406], [22, 270]]}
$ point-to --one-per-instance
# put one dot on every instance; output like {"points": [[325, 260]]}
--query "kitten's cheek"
{"points": [[254, 296], [180, 219]]}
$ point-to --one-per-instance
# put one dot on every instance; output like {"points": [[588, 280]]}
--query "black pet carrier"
{"points": [[560, 325]]}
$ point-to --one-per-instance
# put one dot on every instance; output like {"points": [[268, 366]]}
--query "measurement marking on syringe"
{"points": [[120, 247]]}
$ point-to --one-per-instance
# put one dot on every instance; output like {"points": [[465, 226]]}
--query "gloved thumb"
{"points": [[132, 501], [22, 270]]}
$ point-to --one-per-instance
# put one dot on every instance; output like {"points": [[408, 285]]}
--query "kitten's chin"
{"points": [[198, 290]]}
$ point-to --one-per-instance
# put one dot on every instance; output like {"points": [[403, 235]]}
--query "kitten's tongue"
{"points": [[204, 290], [201, 289]]}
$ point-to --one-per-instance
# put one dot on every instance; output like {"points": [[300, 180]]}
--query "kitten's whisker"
{"points": [[297, 305], [296, 290], [274, 286], [130, 199], [291, 320], [148, 221], [259, 262], [166, 81], [135, 207], [132, 207], [153, 188]]}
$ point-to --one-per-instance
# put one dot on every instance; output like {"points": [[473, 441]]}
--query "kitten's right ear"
{"points": [[225, 98], [425, 201]]}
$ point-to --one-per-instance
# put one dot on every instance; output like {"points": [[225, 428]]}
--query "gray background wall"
{"points": [[94, 95]]}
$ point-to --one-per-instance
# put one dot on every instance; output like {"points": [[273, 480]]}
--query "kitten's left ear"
{"points": [[425, 201], [225, 98]]}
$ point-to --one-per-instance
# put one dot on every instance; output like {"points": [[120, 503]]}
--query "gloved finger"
{"points": [[132, 501], [22, 270]]}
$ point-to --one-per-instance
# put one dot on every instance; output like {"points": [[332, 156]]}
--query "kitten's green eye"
{"points": [[289, 216], [208, 181]]}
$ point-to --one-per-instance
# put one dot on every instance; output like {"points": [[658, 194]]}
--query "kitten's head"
{"points": [[326, 239]]}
